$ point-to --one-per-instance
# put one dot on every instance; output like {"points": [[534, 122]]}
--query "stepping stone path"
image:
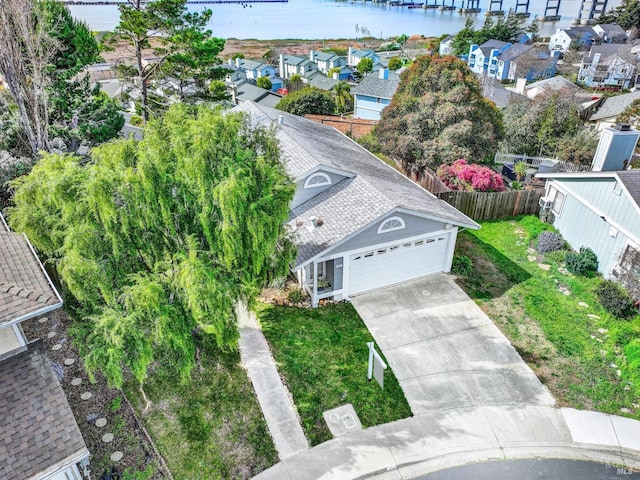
{"points": [[69, 361], [564, 290], [107, 438], [625, 410], [43, 320], [76, 381], [531, 250], [532, 258], [101, 422], [116, 456], [563, 271], [582, 304], [602, 330], [51, 334], [56, 347], [592, 316], [544, 266], [86, 395]]}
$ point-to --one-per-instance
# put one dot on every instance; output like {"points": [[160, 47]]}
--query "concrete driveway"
{"points": [[445, 352]]}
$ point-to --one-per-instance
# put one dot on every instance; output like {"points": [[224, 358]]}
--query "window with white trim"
{"points": [[391, 224], [317, 179], [557, 197]]}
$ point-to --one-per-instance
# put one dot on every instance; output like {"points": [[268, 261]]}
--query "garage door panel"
{"points": [[397, 263]]}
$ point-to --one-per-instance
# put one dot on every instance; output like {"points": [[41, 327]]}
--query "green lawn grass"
{"points": [[322, 354], [580, 358], [211, 427]]}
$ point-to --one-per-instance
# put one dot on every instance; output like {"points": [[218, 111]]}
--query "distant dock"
{"points": [[191, 2]]}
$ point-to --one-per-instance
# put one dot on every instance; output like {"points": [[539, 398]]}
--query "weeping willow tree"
{"points": [[157, 240]]}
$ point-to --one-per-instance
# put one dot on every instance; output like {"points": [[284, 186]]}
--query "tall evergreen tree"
{"points": [[627, 15], [158, 240], [183, 48]]}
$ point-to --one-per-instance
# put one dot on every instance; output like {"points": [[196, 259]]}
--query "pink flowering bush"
{"points": [[470, 177]]}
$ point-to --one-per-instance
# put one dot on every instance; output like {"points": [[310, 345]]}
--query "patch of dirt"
{"points": [[105, 402]]}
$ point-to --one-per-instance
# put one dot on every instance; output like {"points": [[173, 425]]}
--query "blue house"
{"points": [[484, 58], [524, 61], [373, 94]]}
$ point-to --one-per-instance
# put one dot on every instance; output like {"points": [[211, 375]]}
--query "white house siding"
{"points": [[370, 108], [580, 225]]}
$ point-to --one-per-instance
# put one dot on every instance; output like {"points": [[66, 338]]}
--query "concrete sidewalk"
{"points": [[438, 440], [274, 398]]}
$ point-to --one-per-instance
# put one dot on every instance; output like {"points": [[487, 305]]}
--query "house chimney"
{"points": [[311, 55], [349, 53], [383, 73], [230, 61], [234, 95], [281, 67], [238, 62], [280, 119], [520, 84], [615, 149]]}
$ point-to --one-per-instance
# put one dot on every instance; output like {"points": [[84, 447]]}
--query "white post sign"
{"points": [[377, 366]]}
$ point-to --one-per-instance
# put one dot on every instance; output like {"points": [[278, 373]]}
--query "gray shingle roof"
{"points": [[248, 92], [514, 52], [489, 45], [353, 203], [614, 106], [324, 56], [631, 181], [376, 87], [25, 290], [39, 432]]}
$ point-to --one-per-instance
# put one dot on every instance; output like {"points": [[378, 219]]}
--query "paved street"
{"points": [[444, 351]]}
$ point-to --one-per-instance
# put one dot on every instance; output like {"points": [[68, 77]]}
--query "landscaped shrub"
{"points": [[584, 262], [614, 299], [549, 242], [470, 177], [296, 296], [461, 265]]}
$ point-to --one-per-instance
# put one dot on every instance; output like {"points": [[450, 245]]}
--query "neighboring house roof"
{"points": [[321, 81], [496, 92], [376, 87], [612, 29], [576, 33], [371, 190], [246, 91], [294, 60], [447, 39], [362, 53], [608, 52], [39, 432], [324, 56], [614, 106], [251, 64], [514, 52], [631, 181], [553, 84], [25, 288], [489, 45]]}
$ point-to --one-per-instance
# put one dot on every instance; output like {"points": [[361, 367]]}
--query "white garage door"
{"points": [[397, 263]]}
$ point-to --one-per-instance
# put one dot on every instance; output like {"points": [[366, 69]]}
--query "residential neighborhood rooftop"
{"points": [[39, 432], [614, 106], [25, 289], [373, 189], [376, 87]]}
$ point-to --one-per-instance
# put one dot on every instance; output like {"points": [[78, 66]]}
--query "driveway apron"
{"points": [[443, 349]]}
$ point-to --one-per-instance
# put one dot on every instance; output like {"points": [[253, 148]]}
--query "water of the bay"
{"points": [[318, 19]]}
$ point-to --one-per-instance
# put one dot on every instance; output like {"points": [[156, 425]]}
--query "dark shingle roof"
{"points": [[631, 181], [489, 45], [39, 432], [614, 106], [514, 52], [376, 87], [353, 203], [25, 290]]}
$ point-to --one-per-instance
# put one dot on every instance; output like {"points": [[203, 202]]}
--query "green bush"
{"points": [[296, 296], [614, 299], [136, 120], [584, 262], [370, 142], [461, 265]]}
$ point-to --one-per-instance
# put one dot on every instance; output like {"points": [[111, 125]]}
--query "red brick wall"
{"points": [[354, 127]]}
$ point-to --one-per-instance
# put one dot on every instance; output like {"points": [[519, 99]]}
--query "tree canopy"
{"points": [[308, 100], [364, 66], [438, 115], [626, 15], [184, 49], [52, 98], [156, 240], [548, 125], [506, 28]]}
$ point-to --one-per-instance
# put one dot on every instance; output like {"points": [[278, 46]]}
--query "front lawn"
{"points": [[210, 428], [322, 354], [552, 318]]}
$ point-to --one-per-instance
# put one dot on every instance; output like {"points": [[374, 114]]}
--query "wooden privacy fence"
{"points": [[494, 205]]}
